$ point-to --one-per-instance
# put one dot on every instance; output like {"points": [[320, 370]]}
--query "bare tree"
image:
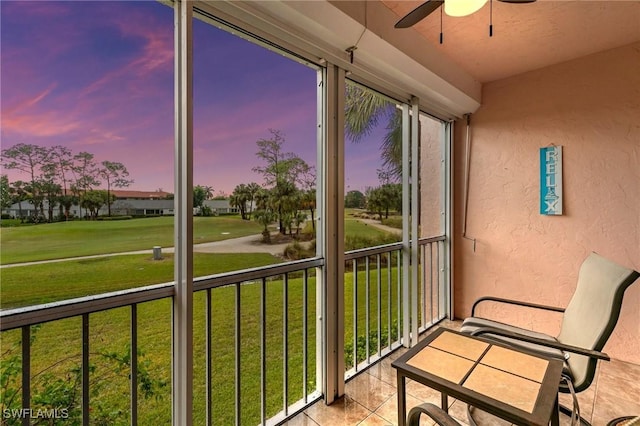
{"points": [[85, 172], [116, 175], [29, 159], [62, 160]]}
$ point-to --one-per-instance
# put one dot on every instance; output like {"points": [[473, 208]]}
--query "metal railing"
{"points": [[432, 286], [269, 285], [374, 292], [369, 335], [273, 328], [285, 279]]}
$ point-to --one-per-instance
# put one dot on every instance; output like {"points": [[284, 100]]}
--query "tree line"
{"points": [[379, 200], [287, 194], [58, 177]]}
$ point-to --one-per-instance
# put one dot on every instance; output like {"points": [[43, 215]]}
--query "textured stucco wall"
{"points": [[590, 106]]}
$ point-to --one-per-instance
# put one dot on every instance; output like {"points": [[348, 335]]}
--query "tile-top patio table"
{"points": [[518, 386]]}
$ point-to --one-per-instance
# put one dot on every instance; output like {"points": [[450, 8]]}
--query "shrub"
{"points": [[61, 391], [297, 251], [361, 350], [36, 219], [206, 211], [393, 221], [6, 223], [355, 242], [111, 218]]}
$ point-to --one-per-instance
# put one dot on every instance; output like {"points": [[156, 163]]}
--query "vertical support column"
{"points": [[406, 258], [321, 102], [182, 363], [333, 235], [448, 214], [415, 214]]}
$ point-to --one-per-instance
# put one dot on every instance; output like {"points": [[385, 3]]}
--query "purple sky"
{"points": [[98, 77]]}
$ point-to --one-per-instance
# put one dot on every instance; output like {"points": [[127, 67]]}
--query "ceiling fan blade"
{"points": [[419, 13], [517, 1]]}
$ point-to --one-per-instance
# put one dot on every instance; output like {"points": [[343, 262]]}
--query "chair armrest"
{"points": [[434, 412], [514, 302], [557, 345]]}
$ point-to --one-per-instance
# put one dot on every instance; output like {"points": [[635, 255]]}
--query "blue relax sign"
{"points": [[551, 180]]}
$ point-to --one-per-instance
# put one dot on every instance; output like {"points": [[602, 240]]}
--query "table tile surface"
{"points": [[479, 371], [460, 345], [442, 364], [504, 387]]}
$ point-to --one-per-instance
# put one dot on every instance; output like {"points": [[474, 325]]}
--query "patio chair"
{"points": [[436, 413], [587, 323]]}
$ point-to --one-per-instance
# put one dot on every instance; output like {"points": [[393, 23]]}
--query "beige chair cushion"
{"points": [[474, 323], [590, 317]]}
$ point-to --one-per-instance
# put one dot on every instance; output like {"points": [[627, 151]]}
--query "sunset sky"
{"points": [[98, 77]]}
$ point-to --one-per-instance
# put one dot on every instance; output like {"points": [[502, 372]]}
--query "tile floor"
{"points": [[371, 398]]}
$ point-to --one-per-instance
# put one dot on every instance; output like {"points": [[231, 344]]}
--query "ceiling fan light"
{"points": [[462, 7]]}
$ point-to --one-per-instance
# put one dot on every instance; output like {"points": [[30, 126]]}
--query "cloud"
{"points": [[156, 54], [24, 117], [45, 124], [31, 101], [108, 90]]}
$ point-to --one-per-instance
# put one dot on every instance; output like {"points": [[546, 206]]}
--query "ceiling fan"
{"points": [[452, 8]]}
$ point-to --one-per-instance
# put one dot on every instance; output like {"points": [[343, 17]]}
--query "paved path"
{"points": [[377, 224], [248, 244]]}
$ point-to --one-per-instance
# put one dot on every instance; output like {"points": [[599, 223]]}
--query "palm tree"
{"points": [[208, 192], [364, 111], [308, 202], [265, 218], [283, 199], [299, 219], [253, 189], [239, 198]]}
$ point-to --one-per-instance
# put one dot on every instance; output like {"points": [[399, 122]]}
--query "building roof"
{"points": [[142, 204], [217, 204], [140, 195]]}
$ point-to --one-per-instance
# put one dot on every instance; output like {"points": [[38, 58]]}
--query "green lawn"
{"points": [[50, 282], [56, 350], [81, 238]]}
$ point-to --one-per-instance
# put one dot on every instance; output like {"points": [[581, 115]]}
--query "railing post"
{"points": [[85, 370], [208, 357], [26, 371], [133, 356], [238, 355]]}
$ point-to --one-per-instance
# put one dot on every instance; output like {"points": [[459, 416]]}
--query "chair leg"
{"points": [[569, 412], [470, 418], [434, 412], [563, 410]]}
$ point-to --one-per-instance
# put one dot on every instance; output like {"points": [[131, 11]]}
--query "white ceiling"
{"points": [[527, 36]]}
